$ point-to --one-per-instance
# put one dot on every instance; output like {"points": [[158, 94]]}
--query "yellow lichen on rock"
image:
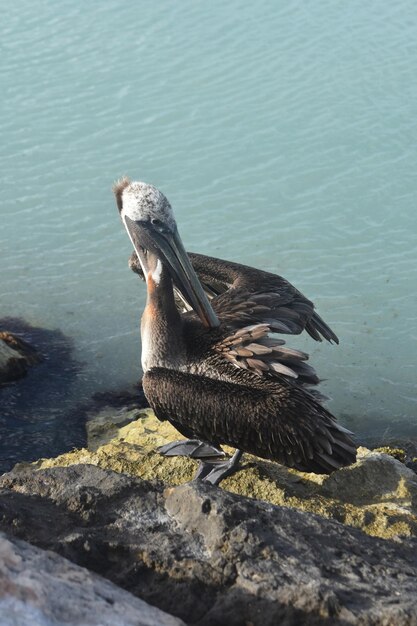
{"points": [[385, 508], [377, 494], [397, 453]]}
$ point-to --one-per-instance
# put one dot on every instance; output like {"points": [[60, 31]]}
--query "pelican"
{"points": [[212, 363]]}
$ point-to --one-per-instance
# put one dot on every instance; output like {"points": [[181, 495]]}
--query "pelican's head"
{"points": [[144, 203], [149, 221]]}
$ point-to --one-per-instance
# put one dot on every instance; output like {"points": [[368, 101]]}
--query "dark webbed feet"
{"points": [[192, 448], [214, 471]]}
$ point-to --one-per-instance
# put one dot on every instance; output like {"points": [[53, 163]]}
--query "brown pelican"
{"points": [[212, 368]]}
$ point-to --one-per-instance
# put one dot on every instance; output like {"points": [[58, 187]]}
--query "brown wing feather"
{"points": [[253, 349]]}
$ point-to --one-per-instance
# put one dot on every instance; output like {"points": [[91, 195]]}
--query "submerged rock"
{"points": [[212, 557], [16, 356], [39, 588], [377, 494], [38, 416]]}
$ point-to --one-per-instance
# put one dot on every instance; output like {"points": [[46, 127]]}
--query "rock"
{"points": [[412, 464], [377, 494], [108, 412], [404, 451], [40, 588], [397, 453], [16, 356], [212, 557], [108, 423]]}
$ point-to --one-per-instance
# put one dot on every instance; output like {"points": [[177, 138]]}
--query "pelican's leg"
{"points": [[213, 472], [192, 448]]}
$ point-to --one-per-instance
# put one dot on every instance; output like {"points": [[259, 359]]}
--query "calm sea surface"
{"points": [[285, 137]]}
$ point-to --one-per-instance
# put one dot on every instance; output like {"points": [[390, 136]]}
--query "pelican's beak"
{"points": [[168, 247]]}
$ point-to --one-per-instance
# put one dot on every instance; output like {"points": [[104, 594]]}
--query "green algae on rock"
{"points": [[377, 494]]}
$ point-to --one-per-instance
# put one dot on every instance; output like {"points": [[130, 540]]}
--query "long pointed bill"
{"points": [[174, 256]]}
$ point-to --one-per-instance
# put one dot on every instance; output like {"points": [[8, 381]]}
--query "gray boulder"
{"points": [[212, 557], [40, 588]]}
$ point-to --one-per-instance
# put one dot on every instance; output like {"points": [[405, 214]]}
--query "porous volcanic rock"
{"points": [[212, 557], [377, 494], [41, 588]]}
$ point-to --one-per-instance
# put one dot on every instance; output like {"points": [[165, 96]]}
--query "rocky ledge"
{"points": [[211, 557], [378, 494]]}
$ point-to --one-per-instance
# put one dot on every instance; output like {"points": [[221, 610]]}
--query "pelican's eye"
{"points": [[156, 222]]}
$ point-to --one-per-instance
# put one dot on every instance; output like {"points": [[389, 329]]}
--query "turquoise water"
{"points": [[284, 135]]}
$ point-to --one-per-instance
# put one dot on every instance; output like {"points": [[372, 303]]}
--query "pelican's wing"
{"points": [[243, 295]]}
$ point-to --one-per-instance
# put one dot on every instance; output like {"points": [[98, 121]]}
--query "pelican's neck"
{"points": [[161, 327]]}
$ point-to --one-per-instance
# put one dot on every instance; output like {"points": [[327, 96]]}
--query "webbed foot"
{"points": [[214, 471], [192, 448]]}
